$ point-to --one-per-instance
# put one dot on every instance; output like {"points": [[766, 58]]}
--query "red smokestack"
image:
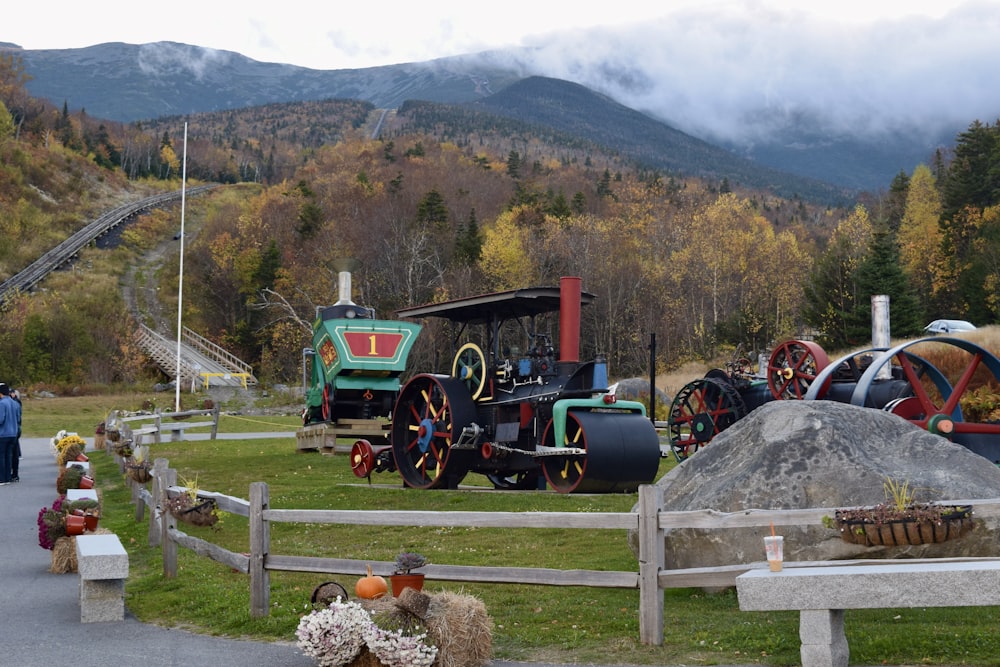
{"points": [[569, 318]]}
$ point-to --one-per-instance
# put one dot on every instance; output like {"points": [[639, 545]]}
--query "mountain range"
{"points": [[127, 82]]}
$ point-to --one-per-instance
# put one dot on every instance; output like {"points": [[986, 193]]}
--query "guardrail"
{"points": [[650, 522]]}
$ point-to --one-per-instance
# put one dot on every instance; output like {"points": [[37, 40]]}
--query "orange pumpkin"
{"points": [[371, 587]]}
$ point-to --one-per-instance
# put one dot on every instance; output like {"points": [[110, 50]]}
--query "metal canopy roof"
{"points": [[530, 301]]}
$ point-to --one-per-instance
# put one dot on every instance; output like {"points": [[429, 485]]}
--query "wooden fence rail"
{"points": [[650, 522]]}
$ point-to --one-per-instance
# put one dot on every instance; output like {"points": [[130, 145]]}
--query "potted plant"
{"points": [[901, 520], [403, 576]]}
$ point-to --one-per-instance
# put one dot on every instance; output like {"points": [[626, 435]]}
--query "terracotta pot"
{"points": [[74, 524], [82, 458], [86, 482], [401, 581], [90, 522]]}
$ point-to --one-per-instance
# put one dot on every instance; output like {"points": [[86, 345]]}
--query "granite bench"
{"points": [[103, 566], [821, 594]]}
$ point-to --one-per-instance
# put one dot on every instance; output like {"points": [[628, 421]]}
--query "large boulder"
{"points": [[819, 454]]}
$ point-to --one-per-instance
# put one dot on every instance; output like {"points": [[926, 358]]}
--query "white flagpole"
{"points": [[180, 276]]}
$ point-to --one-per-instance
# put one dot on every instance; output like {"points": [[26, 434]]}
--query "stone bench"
{"points": [[103, 566], [821, 594]]}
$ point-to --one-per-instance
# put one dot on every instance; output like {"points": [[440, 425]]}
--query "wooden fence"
{"points": [[650, 522]]}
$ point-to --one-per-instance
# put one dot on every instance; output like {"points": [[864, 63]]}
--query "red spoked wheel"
{"points": [[701, 410], [362, 458], [793, 367], [430, 414], [326, 409]]}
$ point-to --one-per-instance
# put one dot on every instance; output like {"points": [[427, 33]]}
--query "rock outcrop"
{"points": [[817, 454]]}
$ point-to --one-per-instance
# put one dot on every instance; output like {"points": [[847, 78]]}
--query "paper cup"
{"points": [[773, 547]]}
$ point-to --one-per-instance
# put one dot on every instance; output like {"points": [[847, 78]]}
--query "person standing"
{"points": [[10, 426], [15, 463]]}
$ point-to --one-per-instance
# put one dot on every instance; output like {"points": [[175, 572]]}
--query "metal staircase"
{"points": [[201, 361]]}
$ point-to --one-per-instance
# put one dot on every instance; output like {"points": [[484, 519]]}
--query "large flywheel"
{"points": [[701, 410], [430, 414], [935, 396]]}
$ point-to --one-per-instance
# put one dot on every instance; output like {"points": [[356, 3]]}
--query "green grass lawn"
{"points": [[559, 624]]}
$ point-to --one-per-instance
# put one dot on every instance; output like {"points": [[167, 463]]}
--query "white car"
{"points": [[949, 326]]}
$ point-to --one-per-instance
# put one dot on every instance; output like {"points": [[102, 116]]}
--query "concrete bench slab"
{"points": [[821, 594], [103, 566], [81, 494]]}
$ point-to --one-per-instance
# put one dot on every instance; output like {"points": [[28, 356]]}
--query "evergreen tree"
{"points": [[514, 165], [431, 211], [880, 272], [832, 291], [469, 241]]}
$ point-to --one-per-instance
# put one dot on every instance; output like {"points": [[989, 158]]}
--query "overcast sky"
{"points": [[713, 66]]}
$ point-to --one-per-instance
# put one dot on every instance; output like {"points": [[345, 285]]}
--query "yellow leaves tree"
{"points": [[506, 259], [171, 162], [739, 277], [920, 233]]}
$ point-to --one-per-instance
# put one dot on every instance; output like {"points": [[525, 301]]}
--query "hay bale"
{"points": [[457, 624], [64, 555], [461, 629]]}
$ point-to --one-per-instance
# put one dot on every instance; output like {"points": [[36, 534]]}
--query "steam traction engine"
{"points": [[900, 380], [356, 362], [517, 409]]}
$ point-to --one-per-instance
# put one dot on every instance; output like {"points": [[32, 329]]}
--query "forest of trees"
{"points": [[706, 266]]}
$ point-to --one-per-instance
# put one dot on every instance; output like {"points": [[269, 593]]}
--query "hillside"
{"points": [[128, 82], [576, 110]]}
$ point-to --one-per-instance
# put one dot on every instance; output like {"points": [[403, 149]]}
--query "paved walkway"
{"points": [[40, 612]]}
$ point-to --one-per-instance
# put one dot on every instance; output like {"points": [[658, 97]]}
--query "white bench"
{"points": [[821, 594], [103, 566]]}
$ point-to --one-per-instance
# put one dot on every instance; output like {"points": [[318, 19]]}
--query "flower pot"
{"points": [[75, 524], [401, 581], [86, 482], [90, 521], [82, 458]]}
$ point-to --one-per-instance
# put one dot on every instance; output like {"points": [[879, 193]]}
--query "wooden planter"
{"points": [[875, 527], [139, 472], [195, 513]]}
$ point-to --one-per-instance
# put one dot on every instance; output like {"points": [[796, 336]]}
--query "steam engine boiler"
{"points": [[356, 364]]}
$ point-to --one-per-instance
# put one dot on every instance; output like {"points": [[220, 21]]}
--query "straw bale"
{"points": [[64, 555], [461, 629]]}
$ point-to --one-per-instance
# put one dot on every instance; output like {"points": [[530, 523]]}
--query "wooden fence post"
{"points": [[215, 421], [167, 522], [260, 546], [140, 502], [651, 558], [155, 509]]}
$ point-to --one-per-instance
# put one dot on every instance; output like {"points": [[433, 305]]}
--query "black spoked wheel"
{"points": [[428, 421], [701, 410]]}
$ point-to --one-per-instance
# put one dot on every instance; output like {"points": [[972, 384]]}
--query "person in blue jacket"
{"points": [[15, 464], [10, 427]]}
